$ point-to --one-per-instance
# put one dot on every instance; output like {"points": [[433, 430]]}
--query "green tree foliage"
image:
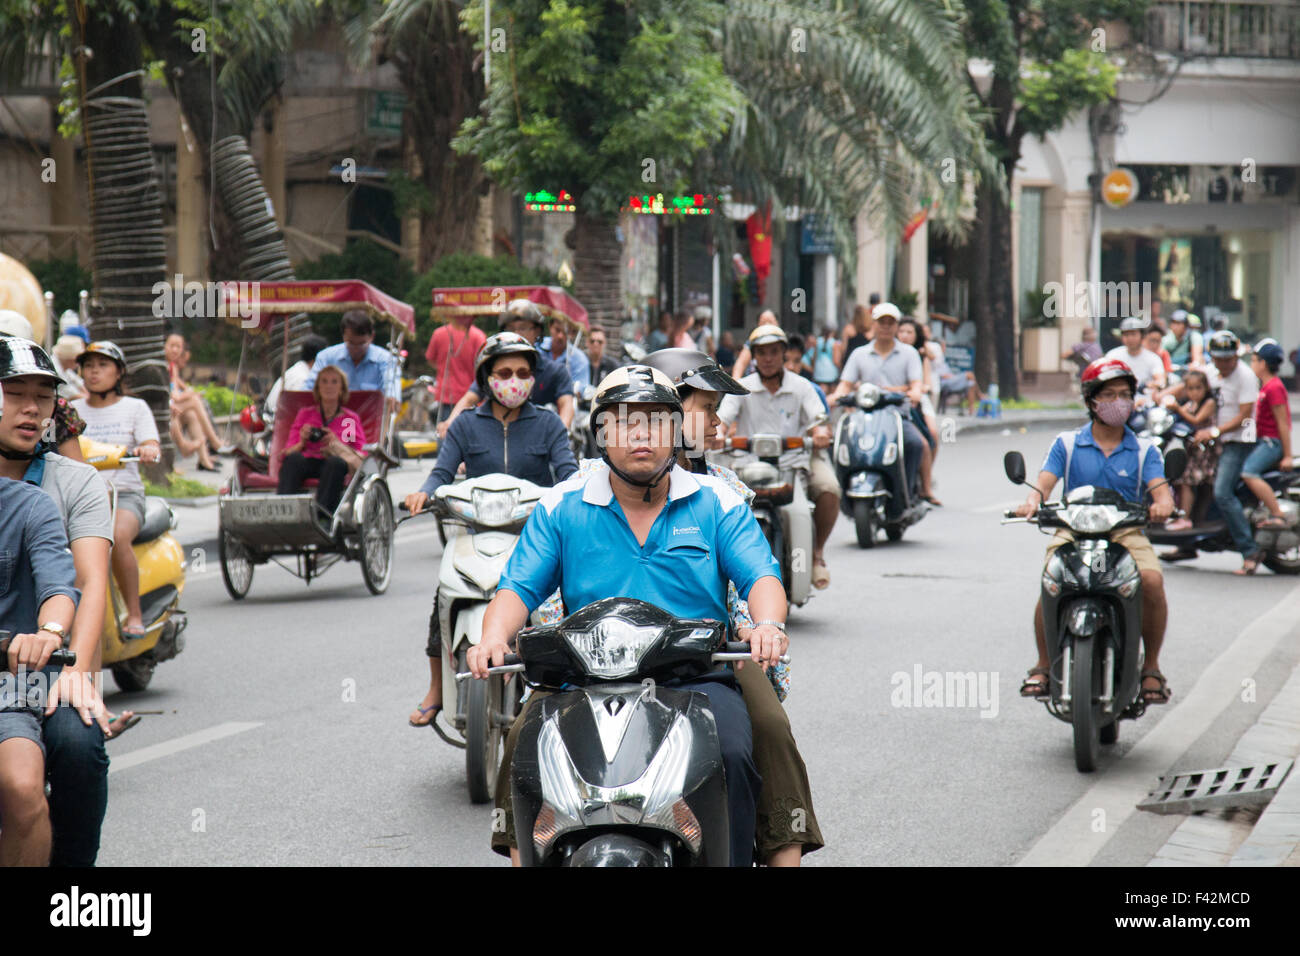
{"points": [[65, 278]]}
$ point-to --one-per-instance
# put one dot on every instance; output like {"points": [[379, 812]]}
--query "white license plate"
{"points": [[268, 511]]}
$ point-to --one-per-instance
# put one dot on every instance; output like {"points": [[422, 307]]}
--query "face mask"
{"points": [[1115, 413], [513, 392]]}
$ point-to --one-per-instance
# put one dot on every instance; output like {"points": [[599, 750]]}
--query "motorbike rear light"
{"points": [[687, 825]]}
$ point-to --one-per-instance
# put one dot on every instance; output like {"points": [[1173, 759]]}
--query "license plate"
{"points": [[269, 511]]}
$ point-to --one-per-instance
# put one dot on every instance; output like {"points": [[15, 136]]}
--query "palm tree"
{"points": [[850, 106]]}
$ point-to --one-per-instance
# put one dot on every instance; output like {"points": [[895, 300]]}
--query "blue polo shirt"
{"points": [[35, 563], [375, 372], [1089, 465], [579, 540]]}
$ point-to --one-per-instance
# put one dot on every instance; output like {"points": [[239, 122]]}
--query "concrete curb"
{"points": [[192, 502], [983, 426]]}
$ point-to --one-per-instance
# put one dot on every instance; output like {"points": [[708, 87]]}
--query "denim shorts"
{"points": [[22, 704], [1263, 457], [23, 724]]}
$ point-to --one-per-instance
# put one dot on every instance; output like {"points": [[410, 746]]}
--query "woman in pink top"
{"points": [[325, 442], [1272, 431]]}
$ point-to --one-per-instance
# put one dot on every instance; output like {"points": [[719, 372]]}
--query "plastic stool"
{"points": [[989, 408]]}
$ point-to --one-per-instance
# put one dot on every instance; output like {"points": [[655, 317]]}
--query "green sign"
{"points": [[384, 112]]}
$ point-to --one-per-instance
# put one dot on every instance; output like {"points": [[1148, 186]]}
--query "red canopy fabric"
{"points": [[261, 300], [489, 300]]}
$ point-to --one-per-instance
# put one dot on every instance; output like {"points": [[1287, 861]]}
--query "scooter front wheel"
{"points": [[864, 522], [1085, 712], [482, 737]]}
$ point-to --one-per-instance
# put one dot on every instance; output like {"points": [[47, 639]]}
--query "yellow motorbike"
{"points": [[162, 581]]}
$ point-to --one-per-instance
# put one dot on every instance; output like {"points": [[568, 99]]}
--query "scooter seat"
{"points": [[157, 520]]}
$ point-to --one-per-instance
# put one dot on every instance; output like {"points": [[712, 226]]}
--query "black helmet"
{"points": [[19, 357], [517, 309], [694, 369], [636, 385], [503, 343], [1224, 344], [110, 351]]}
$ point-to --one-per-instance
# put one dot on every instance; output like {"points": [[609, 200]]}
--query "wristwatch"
{"points": [[1214, 432], [56, 629], [779, 625]]}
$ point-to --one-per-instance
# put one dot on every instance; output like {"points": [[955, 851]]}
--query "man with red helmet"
{"points": [[1106, 454]]}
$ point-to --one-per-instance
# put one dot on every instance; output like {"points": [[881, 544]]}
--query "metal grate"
{"points": [[1219, 789]]}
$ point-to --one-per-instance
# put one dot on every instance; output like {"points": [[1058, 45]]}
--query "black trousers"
{"points": [[332, 473]]}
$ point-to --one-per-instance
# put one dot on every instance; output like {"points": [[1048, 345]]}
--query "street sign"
{"points": [[1119, 188], [384, 112], [816, 237]]}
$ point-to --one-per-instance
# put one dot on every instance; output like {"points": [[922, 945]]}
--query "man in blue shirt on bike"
{"points": [[645, 527], [1106, 454]]}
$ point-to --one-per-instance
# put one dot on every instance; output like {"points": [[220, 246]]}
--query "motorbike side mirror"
{"points": [[1014, 464], [1175, 464]]}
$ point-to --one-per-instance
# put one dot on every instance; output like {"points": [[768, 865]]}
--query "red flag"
{"points": [[759, 229], [916, 221]]}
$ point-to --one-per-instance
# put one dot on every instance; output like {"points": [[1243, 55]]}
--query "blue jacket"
{"points": [[535, 446]]}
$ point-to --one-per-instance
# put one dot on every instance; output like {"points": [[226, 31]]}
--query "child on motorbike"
{"points": [[114, 417], [1202, 458]]}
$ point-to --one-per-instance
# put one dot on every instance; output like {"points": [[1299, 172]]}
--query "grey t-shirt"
{"points": [[79, 495], [901, 365], [128, 421]]}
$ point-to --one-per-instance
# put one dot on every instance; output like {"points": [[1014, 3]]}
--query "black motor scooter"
{"points": [[614, 769], [870, 463], [1092, 610]]}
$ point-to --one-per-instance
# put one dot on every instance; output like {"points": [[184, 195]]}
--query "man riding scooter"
{"points": [[645, 526], [75, 721], [781, 402], [1105, 453], [1236, 387]]}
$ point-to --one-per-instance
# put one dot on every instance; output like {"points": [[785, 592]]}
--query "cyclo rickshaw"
{"points": [[256, 525]]}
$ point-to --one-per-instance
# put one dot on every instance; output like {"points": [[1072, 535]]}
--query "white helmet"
{"points": [[15, 324]]}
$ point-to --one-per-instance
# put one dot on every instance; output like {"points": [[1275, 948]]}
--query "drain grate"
{"points": [[1219, 789]]}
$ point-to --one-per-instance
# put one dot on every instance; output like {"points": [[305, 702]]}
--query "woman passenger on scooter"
{"points": [[119, 419], [1272, 432], [702, 383], [506, 434]]}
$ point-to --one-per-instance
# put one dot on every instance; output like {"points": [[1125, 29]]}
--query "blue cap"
{"points": [[80, 331], [1270, 353]]}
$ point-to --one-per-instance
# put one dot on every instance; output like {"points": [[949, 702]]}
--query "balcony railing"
{"points": [[1251, 29]]}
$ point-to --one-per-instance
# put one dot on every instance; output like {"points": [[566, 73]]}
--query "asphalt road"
{"points": [[285, 740]]}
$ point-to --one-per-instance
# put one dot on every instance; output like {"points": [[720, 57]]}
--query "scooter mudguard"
{"points": [[467, 629], [595, 759], [866, 484], [797, 523], [162, 581]]}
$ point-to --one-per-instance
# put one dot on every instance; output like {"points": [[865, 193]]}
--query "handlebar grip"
{"points": [[736, 647], [63, 658], [513, 659]]}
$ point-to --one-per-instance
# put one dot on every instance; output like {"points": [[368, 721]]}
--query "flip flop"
{"points": [[120, 725], [424, 710], [133, 635]]}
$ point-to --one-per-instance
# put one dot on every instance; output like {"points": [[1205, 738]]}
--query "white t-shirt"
{"points": [[128, 421], [1230, 394], [291, 381], [788, 413], [1145, 365]]}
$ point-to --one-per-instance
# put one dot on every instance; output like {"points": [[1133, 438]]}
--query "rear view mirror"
{"points": [[1014, 463], [1175, 464]]}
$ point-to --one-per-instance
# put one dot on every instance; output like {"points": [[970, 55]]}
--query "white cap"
{"points": [[886, 308]]}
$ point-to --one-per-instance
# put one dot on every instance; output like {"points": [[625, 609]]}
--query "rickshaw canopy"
{"points": [[553, 301], [260, 301]]}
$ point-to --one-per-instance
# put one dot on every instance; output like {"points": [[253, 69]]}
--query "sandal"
{"points": [[1179, 524], [821, 576], [1274, 523], [1036, 688], [133, 634], [121, 724], [425, 710], [1156, 695], [933, 500]]}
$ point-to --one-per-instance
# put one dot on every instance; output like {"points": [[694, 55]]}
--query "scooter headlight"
{"points": [[842, 456], [613, 648], [494, 507], [1056, 574], [891, 454]]}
